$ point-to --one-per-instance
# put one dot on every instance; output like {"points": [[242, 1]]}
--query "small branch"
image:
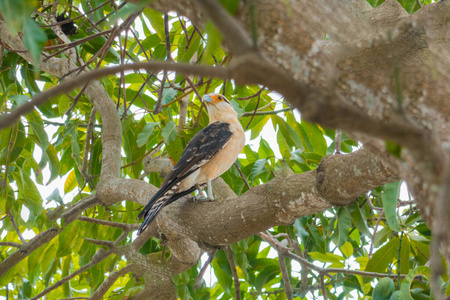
{"points": [[374, 232], [237, 284], [267, 113], [167, 36], [337, 141], [100, 255], [242, 175], [13, 222], [124, 226], [258, 93], [418, 3], [198, 280], [11, 244], [7, 120], [371, 204], [285, 276], [322, 271], [256, 108], [158, 106], [106, 285], [108, 244], [323, 288]]}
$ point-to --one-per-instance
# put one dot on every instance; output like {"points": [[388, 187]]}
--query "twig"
{"points": [[167, 37], [337, 141], [198, 280], [267, 113], [237, 285], [375, 232], [158, 106], [108, 244], [418, 3], [242, 175], [13, 222], [371, 204], [256, 108], [252, 96], [323, 288], [100, 255], [125, 226]]}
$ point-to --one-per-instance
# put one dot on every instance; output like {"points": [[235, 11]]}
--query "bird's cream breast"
{"points": [[223, 160]]}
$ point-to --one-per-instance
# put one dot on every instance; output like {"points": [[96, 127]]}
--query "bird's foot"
{"points": [[204, 198]]}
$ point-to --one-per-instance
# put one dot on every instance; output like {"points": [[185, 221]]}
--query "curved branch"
{"points": [[200, 70]]}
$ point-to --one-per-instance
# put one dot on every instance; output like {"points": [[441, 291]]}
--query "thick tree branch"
{"points": [[338, 180]]}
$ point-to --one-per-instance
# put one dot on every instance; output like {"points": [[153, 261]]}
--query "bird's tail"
{"points": [[153, 207]]}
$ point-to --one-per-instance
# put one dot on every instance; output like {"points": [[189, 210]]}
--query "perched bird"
{"points": [[208, 155]]}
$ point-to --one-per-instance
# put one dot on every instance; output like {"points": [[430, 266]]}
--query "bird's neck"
{"points": [[229, 117]]}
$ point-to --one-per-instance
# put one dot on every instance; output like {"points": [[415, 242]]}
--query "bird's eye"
{"points": [[220, 98]]}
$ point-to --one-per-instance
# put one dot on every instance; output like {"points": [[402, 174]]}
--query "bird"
{"points": [[210, 153]]}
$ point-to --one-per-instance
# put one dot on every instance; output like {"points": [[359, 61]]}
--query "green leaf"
{"points": [[145, 134], [288, 132], [337, 261], [406, 285], [394, 149], [404, 255], [71, 182], [258, 167], [169, 132], [16, 135], [222, 271], [168, 95], [54, 163], [383, 257], [347, 249], [381, 236], [316, 137], [389, 198], [185, 55], [267, 274], [150, 42], [384, 289], [343, 225], [36, 123], [67, 239], [28, 192], [34, 39], [157, 21], [359, 219], [213, 42]]}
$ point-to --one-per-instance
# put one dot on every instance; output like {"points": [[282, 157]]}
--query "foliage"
{"points": [[47, 146]]}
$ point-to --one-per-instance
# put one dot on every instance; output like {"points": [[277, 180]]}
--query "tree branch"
{"points": [[33, 244], [7, 119]]}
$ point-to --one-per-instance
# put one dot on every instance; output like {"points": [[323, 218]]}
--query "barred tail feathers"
{"points": [[153, 207]]}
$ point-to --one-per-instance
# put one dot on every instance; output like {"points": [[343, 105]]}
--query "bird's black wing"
{"points": [[201, 148]]}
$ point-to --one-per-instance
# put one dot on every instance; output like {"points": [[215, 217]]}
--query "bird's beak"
{"points": [[207, 99]]}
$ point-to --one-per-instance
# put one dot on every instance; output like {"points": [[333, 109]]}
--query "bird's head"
{"points": [[218, 107]]}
